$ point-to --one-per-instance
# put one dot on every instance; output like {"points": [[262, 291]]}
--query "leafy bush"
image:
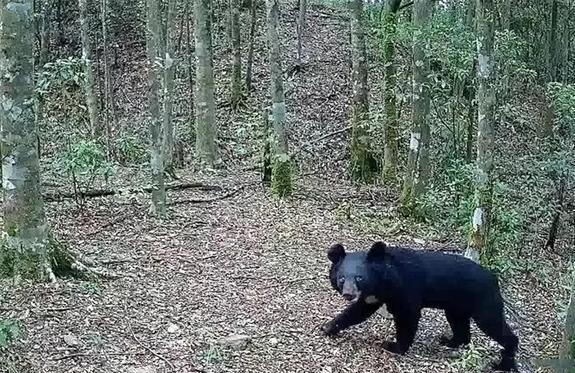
{"points": [[129, 150], [83, 162], [9, 331]]}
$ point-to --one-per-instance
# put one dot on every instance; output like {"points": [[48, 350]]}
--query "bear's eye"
{"points": [[358, 278]]}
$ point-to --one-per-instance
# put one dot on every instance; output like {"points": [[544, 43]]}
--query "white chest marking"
{"points": [[371, 299]]}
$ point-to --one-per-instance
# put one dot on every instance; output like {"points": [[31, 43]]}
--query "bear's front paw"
{"points": [[393, 347], [329, 328]]}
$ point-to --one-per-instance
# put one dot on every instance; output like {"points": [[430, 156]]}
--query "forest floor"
{"points": [[240, 284]]}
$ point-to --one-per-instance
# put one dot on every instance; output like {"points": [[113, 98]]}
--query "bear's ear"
{"points": [[377, 251], [336, 252]]}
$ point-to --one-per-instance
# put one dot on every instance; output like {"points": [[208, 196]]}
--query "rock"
{"points": [[173, 328], [71, 340], [273, 341], [236, 341], [144, 369]]}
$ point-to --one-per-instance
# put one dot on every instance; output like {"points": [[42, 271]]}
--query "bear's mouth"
{"points": [[352, 297]]}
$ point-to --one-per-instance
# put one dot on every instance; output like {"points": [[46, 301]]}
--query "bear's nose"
{"points": [[348, 297]]}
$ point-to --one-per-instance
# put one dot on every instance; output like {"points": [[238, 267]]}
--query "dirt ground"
{"points": [[238, 285], [241, 284]]}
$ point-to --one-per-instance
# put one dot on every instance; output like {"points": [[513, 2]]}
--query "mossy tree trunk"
{"points": [[363, 162], [23, 253], [153, 46], [478, 249], [169, 68], [206, 131], [418, 158], [389, 97], [236, 87], [281, 170], [89, 83]]}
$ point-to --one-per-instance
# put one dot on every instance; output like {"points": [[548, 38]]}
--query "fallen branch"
{"points": [[58, 196], [140, 343], [86, 354], [215, 199], [328, 135]]}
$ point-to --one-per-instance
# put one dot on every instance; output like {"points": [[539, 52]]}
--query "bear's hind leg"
{"points": [[493, 324], [460, 326]]}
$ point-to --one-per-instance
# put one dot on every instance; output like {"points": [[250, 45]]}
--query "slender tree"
{"points": [[418, 158], [169, 67], [389, 95], [153, 46], [486, 107], [89, 84], [46, 11], [552, 50], [206, 131], [236, 87], [300, 30], [23, 253], [251, 41], [363, 163], [281, 169], [567, 349]]}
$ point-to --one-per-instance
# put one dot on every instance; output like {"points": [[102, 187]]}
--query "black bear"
{"points": [[407, 280]]}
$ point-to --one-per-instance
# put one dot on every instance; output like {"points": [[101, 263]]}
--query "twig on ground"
{"points": [[327, 135], [140, 343], [85, 354]]}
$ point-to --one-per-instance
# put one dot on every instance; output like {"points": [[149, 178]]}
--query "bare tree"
{"points": [[300, 29], [251, 41], [363, 163], [418, 159], [206, 131], [89, 84], [153, 46], [25, 253], [169, 67], [389, 95], [486, 108], [281, 170], [236, 87]]}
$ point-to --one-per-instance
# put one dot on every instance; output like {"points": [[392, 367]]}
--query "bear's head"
{"points": [[350, 273]]}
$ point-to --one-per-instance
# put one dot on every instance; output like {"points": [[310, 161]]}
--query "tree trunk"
{"points": [[153, 45], [418, 158], [363, 163], [477, 249], [390, 106], [552, 51], [191, 51], [567, 349], [169, 67], [24, 251], [236, 87], [281, 173], [89, 84], [250, 62], [109, 102], [46, 9], [300, 30], [205, 111]]}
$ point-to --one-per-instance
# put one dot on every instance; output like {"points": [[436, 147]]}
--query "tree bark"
{"points": [[169, 68], [478, 249], [418, 158], [89, 83], [153, 45], [281, 173], [205, 111], [390, 102], [567, 349], [552, 51], [363, 162], [236, 86], [250, 62], [300, 30], [24, 252]]}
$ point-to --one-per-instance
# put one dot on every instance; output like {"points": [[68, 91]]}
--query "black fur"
{"points": [[407, 281]]}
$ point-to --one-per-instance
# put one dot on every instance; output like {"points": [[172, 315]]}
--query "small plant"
{"points": [[9, 331], [84, 162], [471, 359], [129, 150]]}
